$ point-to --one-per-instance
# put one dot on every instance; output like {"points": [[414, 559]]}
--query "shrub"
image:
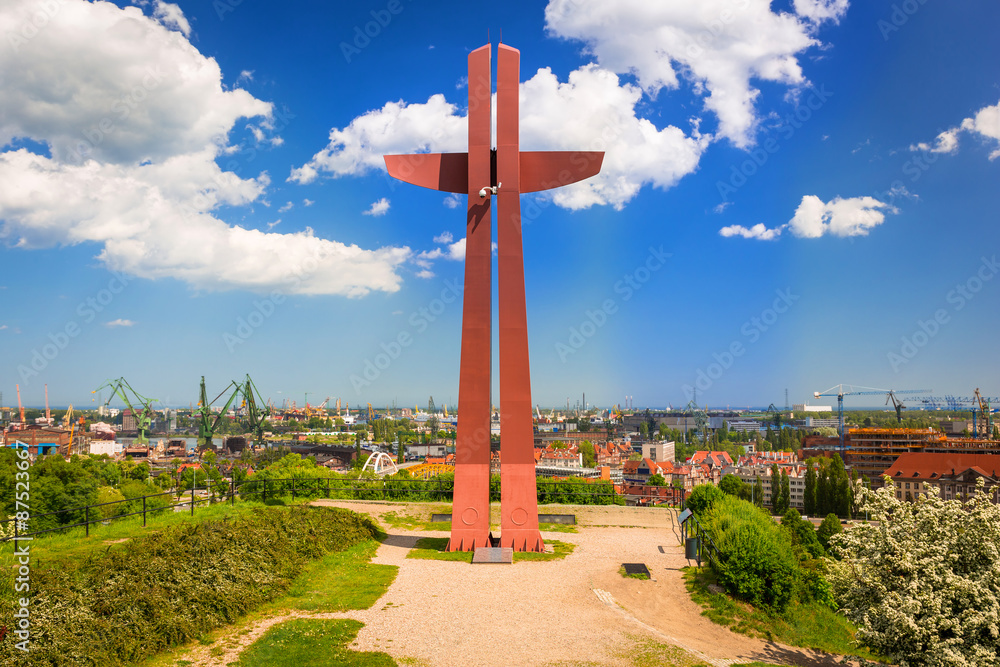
{"points": [[106, 494], [756, 564], [803, 535], [119, 606], [830, 527], [703, 497]]}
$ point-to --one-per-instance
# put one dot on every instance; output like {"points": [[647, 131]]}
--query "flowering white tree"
{"points": [[922, 583]]}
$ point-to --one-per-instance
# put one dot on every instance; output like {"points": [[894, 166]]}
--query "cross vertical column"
{"points": [[518, 498], [470, 517]]}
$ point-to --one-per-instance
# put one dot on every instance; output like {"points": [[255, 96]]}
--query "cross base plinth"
{"points": [[527, 539], [468, 540]]}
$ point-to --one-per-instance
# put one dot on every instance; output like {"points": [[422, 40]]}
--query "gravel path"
{"points": [[576, 610]]}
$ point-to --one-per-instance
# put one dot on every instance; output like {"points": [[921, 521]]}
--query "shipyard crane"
{"points": [[256, 411], [984, 425], [841, 390], [897, 404], [700, 418], [207, 421], [143, 417], [981, 420], [771, 409]]}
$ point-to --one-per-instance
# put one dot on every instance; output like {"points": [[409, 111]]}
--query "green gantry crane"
{"points": [[207, 421], [143, 417], [255, 410]]}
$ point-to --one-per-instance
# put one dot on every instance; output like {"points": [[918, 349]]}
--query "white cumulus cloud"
{"points": [[985, 123], [119, 323], [134, 121], [716, 46], [380, 207], [758, 231], [171, 16], [854, 216], [814, 218]]}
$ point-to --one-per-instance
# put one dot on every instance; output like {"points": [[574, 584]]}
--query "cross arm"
{"points": [[447, 172], [544, 170]]}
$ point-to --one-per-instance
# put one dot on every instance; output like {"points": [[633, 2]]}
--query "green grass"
{"points": [[559, 551], [311, 643], [340, 581], [805, 625], [557, 528], [433, 548]]}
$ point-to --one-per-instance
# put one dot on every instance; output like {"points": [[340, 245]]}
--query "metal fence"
{"points": [[228, 491]]}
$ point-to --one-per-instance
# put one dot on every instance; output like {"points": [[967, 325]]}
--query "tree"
{"points": [[589, 455], [732, 485], [786, 492], [432, 426], [703, 497], [839, 488], [758, 493], [921, 583], [106, 494], [823, 506], [775, 490], [656, 480], [803, 535], [809, 497], [830, 527]]}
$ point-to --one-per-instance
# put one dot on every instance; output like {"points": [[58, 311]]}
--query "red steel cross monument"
{"points": [[482, 174]]}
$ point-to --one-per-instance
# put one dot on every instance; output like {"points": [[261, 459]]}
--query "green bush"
{"points": [[756, 562], [118, 607], [830, 527], [703, 497], [106, 494], [803, 535]]}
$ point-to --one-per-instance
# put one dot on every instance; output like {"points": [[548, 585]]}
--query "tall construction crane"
{"points": [[255, 410], [143, 417], [207, 421], [842, 390]]}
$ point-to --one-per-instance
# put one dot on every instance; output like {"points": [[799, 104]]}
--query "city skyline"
{"points": [[794, 195]]}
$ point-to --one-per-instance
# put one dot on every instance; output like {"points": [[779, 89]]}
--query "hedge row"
{"points": [[120, 606], [323, 484]]}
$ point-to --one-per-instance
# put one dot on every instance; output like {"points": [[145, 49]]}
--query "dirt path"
{"points": [[578, 610]]}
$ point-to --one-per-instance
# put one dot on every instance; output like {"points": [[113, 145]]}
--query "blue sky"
{"points": [[195, 189]]}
